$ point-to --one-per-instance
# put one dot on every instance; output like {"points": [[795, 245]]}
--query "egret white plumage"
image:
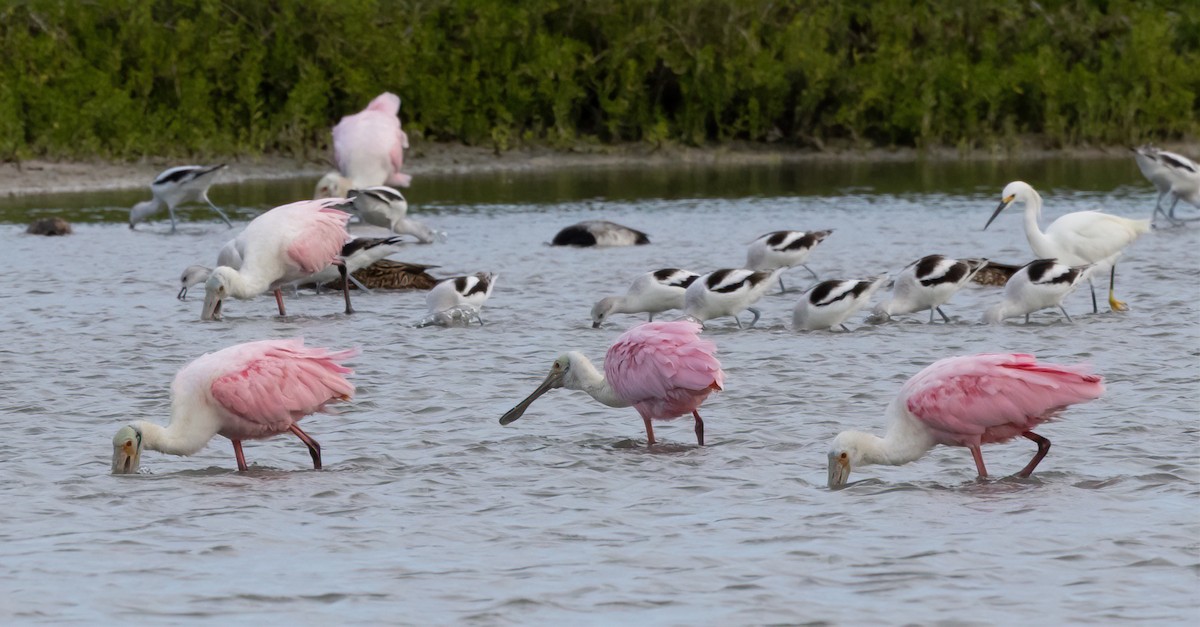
{"points": [[176, 186], [1171, 173], [385, 206], [784, 249], [727, 292], [1038, 285], [928, 283], [469, 291], [652, 292], [830, 303], [1075, 239]]}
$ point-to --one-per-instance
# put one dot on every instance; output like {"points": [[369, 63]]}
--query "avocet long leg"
{"points": [[218, 210], [757, 315]]}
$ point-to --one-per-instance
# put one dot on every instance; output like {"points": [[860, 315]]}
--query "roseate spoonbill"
{"points": [[663, 369], [176, 186], [784, 249], [386, 207], [1037, 285], [1171, 173], [967, 401], [1075, 239], [652, 292], [469, 291], [229, 255], [599, 233], [368, 148], [281, 246], [248, 391], [727, 292], [928, 283], [829, 303]]}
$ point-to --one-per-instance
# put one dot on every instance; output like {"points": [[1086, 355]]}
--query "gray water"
{"points": [[429, 512]]}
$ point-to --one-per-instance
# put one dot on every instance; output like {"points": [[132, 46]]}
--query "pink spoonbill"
{"points": [[663, 369], [967, 401], [281, 246], [248, 391], [368, 148]]}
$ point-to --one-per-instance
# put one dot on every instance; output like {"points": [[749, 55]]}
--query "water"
{"points": [[429, 512]]}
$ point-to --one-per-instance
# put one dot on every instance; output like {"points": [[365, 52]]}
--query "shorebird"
{"points": [[176, 186], [784, 249], [357, 254], [462, 291], [1171, 173], [928, 283], [652, 292], [599, 233], [727, 292], [829, 303], [386, 207], [1037, 285]]}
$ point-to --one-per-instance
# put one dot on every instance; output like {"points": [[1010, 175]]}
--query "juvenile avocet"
{"points": [[652, 292], [176, 186], [829, 303], [784, 249], [727, 292], [928, 283], [1037, 285]]}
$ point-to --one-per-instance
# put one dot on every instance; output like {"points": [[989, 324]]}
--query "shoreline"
{"points": [[36, 177]]}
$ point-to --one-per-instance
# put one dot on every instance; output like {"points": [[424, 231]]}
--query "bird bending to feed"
{"points": [[967, 401], [1171, 173], [784, 249], [386, 207], [599, 233], [652, 292], [1075, 239], [1037, 285], [368, 148], [929, 283], [994, 273], [229, 255], [727, 292], [176, 186], [357, 254], [470, 291], [281, 246], [386, 274], [829, 303], [663, 369], [49, 227], [249, 391]]}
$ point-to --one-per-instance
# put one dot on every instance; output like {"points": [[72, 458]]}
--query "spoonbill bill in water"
{"points": [[652, 292], [1037, 285], [599, 233], [368, 148], [1075, 239], [784, 249], [176, 186], [967, 401], [663, 369], [829, 303], [928, 283], [1171, 173], [462, 291], [249, 391], [282, 246], [727, 292]]}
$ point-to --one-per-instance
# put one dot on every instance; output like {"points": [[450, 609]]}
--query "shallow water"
{"points": [[429, 512]]}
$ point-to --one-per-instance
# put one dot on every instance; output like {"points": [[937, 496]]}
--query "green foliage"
{"points": [[123, 78]]}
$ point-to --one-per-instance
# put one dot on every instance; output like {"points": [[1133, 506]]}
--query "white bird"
{"points": [[229, 255], [463, 291], [928, 283], [176, 186], [386, 207], [357, 254], [1075, 239], [281, 246], [727, 292], [829, 303], [1171, 173], [784, 249], [1037, 285], [599, 233], [652, 292]]}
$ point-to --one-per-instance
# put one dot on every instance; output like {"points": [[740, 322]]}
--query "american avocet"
{"points": [[829, 303], [784, 249], [176, 186], [357, 254], [652, 292], [281, 246], [928, 283], [248, 391], [368, 148], [1075, 239], [663, 369], [1171, 173], [599, 233], [727, 292], [387, 207], [1037, 285], [469, 291], [967, 401], [230, 255]]}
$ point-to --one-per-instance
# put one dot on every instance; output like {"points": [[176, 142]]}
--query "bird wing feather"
{"points": [[662, 361]]}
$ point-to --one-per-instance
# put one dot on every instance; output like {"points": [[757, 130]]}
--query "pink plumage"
{"points": [[663, 369], [368, 146]]}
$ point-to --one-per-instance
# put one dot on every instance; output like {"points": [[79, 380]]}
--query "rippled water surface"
{"points": [[429, 512]]}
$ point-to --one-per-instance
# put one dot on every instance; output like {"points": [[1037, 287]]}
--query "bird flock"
{"points": [[663, 369]]}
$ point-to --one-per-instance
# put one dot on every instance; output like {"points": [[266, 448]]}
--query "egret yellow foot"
{"points": [[1116, 304]]}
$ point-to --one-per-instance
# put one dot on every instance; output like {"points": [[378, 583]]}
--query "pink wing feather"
{"points": [[663, 368], [320, 239], [269, 385], [979, 399]]}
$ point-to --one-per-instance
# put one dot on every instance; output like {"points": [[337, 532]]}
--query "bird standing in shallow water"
{"points": [[663, 369], [248, 391], [176, 186], [784, 249], [829, 303], [727, 292], [652, 292], [929, 283], [1035, 286], [462, 291], [1173, 174], [1075, 239], [967, 401]]}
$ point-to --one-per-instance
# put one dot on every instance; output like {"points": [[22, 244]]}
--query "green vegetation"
{"points": [[123, 78]]}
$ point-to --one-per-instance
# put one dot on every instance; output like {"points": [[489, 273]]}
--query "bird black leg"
{"points": [[943, 314], [241, 459], [1060, 308], [1043, 448], [1095, 307], [699, 428], [219, 212], [845, 328], [782, 289], [314, 449], [345, 287], [171, 211], [1026, 318], [814, 274]]}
